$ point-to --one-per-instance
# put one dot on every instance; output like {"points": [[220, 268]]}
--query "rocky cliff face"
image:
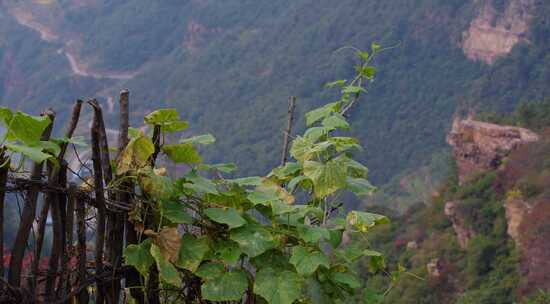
{"points": [[463, 231], [522, 179], [493, 34], [480, 146]]}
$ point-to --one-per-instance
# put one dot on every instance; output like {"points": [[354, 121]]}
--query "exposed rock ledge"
{"points": [[492, 35], [480, 146], [463, 231]]}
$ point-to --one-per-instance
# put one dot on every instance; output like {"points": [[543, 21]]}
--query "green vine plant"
{"points": [[23, 138], [274, 239]]}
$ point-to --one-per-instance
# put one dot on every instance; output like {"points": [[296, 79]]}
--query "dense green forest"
{"points": [[229, 67]]}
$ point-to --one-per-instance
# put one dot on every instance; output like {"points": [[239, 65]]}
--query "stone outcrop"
{"points": [[493, 34], [480, 146], [435, 268], [463, 231], [516, 211]]}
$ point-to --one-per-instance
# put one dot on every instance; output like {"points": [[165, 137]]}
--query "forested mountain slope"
{"points": [[230, 66], [483, 236]]}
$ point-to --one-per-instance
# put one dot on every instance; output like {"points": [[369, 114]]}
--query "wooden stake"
{"points": [[27, 217], [288, 130], [99, 198], [83, 296], [3, 180]]}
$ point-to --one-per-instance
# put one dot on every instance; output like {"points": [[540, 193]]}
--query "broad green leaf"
{"points": [[136, 154], [75, 140], [134, 133], [327, 178], [210, 271], [312, 234], [316, 293], [279, 207], [353, 90], [262, 198], [167, 272], [253, 239], [305, 210], [228, 216], [315, 133], [6, 115], [174, 126], [49, 146], [354, 168], [175, 212], [335, 237], [205, 139], [360, 186], [335, 121], [337, 83], [295, 182], [278, 287], [316, 150], [290, 168], [322, 112], [346, 278], [200, 184], [345, 143], [162, 116], [158, 186], [28, 129], [225, 168], [364, 220], [272, 187], [274, 259], [168, 119], [307, 262], [35, 153], [377, 262], [300, 147], [350, 253], [139, 256], [229, 286], [246, 181], [182, 153], [192, 252], [227, 251]]}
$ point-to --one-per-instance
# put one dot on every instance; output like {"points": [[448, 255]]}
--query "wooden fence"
{"points": [[88, 222]]}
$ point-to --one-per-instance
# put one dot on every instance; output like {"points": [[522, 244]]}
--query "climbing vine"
{"points": [[276, 238]]}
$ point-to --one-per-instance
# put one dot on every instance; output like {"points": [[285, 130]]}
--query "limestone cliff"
{"points": [[480, 146], [493, 34], [520, 158]]}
